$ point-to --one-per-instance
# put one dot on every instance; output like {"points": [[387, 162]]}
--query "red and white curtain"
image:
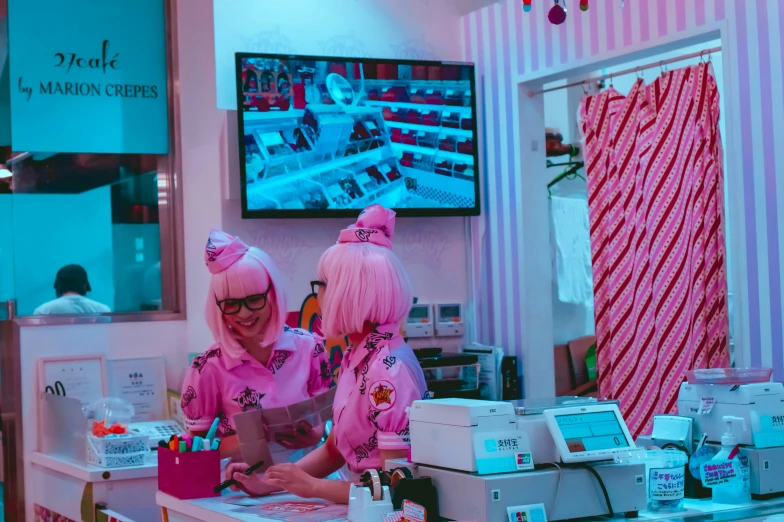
{"points": [[655, 194]]}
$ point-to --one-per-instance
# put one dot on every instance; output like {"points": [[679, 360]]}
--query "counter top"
{"points": [[90, 473], [237, 506], [707, 510]]}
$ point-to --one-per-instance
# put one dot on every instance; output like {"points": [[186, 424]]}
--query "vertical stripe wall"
{"points": [[507, 43]]}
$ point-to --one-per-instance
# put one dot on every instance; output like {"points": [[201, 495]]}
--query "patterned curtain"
{"points": [[655, 194]]}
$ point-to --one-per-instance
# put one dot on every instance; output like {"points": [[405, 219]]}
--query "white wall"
{"points": [[434, 249]]}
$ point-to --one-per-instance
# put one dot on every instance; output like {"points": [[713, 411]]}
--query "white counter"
{"points": [[72, 488], [706, 509], [226, 509]]}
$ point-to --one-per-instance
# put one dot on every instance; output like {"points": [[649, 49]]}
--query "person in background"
{"points": [[256, 360], [364, 293], [71, 286]]}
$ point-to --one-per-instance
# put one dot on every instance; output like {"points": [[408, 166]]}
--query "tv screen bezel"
{"points": [[342, 213]]}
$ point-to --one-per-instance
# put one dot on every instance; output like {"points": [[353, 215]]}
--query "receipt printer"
{"points": [[707, 404], [443, 430]]}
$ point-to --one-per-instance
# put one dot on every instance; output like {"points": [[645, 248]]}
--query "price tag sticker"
{"points": [[717, 473], [413, 512], [666, 483], [706, 405], [529, 513], [502, 452]]}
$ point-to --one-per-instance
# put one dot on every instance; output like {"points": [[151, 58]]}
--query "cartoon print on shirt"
{"points": [[293, 330], [187, 397], [249, 399], [319, 349], [363, 384], [326, 373], [277, 361], [364, 450], [382, 395], [389, 361], [405, 434], [224, 425], [201, 360]]}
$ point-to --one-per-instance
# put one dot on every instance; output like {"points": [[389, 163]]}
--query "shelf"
{"points": [[308, 173], [441, 154], [465, 111], [464, 133], [269, 116], [89, 473], [455, 85]]}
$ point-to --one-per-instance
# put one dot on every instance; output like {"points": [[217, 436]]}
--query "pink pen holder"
{"points": [[189, 475]]}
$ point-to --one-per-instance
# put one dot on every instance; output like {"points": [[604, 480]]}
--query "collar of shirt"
{"points": [[285, 343], [381, 337]]}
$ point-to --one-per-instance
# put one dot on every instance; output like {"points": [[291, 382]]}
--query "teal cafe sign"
{"points": [[88, 76]]}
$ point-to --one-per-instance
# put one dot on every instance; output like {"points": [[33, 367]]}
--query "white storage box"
{"points": [[116, 452]]}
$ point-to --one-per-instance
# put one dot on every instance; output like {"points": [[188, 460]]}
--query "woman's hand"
{"points": [[291, 478], [303, 436], [251, 485]]}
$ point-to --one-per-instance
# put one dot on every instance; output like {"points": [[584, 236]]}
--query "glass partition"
{"points": [[86, 233]]}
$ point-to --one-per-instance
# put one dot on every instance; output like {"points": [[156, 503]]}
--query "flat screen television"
{"points": [[326, 137]]}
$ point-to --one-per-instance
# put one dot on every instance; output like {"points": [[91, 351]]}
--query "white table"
{"points": [[221, 509], [706, 510], [72, 489]]}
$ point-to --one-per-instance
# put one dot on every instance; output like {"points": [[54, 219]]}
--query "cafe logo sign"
{"points": [[104, 62]]}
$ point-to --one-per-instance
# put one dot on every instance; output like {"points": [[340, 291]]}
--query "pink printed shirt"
{"points": [[377, 384], [218, 385]]}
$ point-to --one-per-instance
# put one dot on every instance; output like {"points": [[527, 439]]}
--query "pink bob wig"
{"points": [[365, 283], [253, 273]]}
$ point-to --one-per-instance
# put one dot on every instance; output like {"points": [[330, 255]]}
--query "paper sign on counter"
{"points": [[666, 483], [717, 473], [528, 513], [706, 405], [413, 512], [502, 452], [767, 430]]}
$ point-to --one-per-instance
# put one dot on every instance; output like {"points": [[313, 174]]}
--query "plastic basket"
{"points": [[729, 375], [116, 452]]}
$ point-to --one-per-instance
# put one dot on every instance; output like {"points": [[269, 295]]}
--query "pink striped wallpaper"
{"points": [[505, 42]]}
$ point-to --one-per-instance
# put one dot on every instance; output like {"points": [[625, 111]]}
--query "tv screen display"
{"points": [[326, 137]]}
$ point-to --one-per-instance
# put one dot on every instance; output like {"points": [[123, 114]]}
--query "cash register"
{"points": [[708, 397], [573, 455]]}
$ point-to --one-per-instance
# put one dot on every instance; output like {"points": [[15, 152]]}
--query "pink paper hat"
{"points": [[222, 251], [375, 224]]}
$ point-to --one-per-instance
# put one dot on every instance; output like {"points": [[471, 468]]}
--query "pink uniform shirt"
{"points": [[378, 382], [218, 385]]}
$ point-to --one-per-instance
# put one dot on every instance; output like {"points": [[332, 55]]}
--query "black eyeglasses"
{"points": [[253, 302], [315, 285]]}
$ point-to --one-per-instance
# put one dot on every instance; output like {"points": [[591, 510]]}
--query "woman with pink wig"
{"points": [[256, 361], [364, 294]]}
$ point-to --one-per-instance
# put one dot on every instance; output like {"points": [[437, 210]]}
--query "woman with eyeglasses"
{"points": [[256, 361], [365, 294]]}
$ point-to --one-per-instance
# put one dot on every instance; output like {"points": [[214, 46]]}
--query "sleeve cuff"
{"points": [[394, 441], [198, 423]]}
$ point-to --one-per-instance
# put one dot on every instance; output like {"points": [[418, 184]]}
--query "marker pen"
{"points": [[205, 446], [215, 444], [197, 444], [213, 429], [183, 446]]}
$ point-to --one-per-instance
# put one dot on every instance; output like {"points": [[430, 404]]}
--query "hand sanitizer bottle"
{"points": [[739, 491]]}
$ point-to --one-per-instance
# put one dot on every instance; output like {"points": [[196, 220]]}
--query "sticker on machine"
{"points": [[382, 395]]}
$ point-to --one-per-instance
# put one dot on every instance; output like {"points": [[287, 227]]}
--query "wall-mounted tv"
{"points": [[326, 137]]}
